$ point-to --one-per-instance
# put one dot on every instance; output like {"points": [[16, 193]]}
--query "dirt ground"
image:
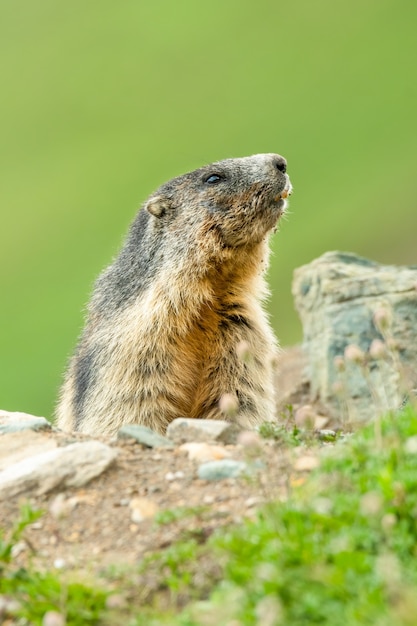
{"points": [[96, 526], [93, 527]]}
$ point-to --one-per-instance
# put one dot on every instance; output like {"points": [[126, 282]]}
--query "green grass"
{"points": [[39, 592], [340, 551], [27, 516]]}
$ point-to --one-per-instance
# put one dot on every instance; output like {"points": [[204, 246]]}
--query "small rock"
{"points": [[72, 466], [203, 452], [61, 506], [185, 429], [13, 422], [217, 470], [142, 508], [144, 435], [59, 563], [306, 463], [53, 618], [170, 476], [18, 447]]}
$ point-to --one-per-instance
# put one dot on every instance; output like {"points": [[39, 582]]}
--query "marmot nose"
{"points": [[279, 163]]}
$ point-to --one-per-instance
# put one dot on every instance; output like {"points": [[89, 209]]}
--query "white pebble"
{"points": [[174, 475], [53, 618], [142, 508]]}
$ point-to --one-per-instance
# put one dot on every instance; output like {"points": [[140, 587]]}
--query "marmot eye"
{"points": [[213, 178]]}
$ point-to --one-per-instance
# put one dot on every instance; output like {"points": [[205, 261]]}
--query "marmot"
{"points": [[167, 317]]}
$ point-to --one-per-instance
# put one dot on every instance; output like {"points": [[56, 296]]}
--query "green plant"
{"points": [[34, 593], [37, 593], [174, 565], [342, 550], [283, 431], [27, 517]]}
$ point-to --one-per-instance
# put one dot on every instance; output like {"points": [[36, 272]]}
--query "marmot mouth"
{"points": [[282, 195]]}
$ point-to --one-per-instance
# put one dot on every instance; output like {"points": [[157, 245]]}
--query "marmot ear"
{"points": [[157, 206]]}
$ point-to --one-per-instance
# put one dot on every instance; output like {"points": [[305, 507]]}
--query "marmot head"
{"points": [[237, 202]]}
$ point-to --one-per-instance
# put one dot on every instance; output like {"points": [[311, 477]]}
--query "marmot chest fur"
{"points": [[176, 323]]}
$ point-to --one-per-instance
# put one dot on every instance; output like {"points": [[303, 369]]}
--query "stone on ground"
{"points": [[218, 470], [15, 447], [144, 435], [142, 508], [69, 466], [203, 452], [185, 429], [14, 421]]}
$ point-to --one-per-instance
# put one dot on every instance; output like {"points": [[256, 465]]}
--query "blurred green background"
{"points": [[101, 102]]}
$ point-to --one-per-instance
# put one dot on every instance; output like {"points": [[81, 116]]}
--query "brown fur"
{"points": [[167, 316]]}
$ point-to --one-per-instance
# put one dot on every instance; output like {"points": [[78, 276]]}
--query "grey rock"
{"points": [[218, 470], [11, 422], [144, 435], [69, 466], [15, 447], [336, 297], [185, 429]]}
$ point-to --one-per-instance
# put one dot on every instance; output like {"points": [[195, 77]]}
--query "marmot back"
{"points": [[169, 319]]}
